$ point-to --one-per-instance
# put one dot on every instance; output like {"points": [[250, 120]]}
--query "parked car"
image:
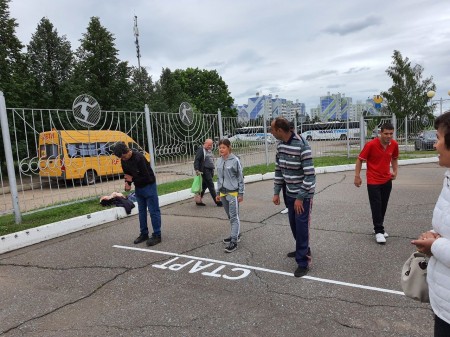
{"points": [[425, 140]]}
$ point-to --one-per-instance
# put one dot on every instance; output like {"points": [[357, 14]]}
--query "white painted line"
{"points": [[353, 285]]}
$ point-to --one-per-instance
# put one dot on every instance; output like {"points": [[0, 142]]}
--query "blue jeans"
{"points": [[147, 197], [300, 230]]}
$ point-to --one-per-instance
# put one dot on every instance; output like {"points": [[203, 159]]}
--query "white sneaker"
{"points": [[380, 238], [284, 211], [386, 235]]}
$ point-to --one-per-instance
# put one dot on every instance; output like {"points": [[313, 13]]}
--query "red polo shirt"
{"points": [[378, 160]]}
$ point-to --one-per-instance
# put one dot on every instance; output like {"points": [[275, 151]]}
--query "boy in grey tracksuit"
{"points": [[230, 190]]}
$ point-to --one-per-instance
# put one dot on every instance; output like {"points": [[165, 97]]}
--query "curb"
{"points": [[31, 236]]}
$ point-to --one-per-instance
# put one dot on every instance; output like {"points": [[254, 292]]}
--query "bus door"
{"points": [[50, 156]]}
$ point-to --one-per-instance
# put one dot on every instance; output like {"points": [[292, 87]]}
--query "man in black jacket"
{"points": [[137, 170], [204, 165]]}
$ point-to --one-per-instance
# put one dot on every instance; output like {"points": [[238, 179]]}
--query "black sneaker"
{"points": [[228, 239], [231, 247], [291, 254], [141, 238], [154, 240], [301, 271]]}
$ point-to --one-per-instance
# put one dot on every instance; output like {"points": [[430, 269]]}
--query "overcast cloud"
{"points": [[290, 48]]}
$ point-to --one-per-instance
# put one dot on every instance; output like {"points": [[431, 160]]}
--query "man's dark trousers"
{"points": [[379, 198], [207, 183]]}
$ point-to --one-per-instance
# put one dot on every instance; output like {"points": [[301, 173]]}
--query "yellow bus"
{"points": [[81, 154]]}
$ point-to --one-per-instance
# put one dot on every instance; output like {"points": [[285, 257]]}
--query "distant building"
{"points": [[335, 107], [272, 107]]}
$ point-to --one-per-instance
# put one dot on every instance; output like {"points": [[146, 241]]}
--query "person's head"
{"points": [[442, 145], [224, 147], [386, 133], [280, 128], [208, 144], [122, 151]]}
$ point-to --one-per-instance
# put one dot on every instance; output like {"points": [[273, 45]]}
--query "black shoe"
{"points": [[228, 239], [219, 204], [301, 271], [291, 254], [141, 238], [154, 240], [200, 204], [231, 247]]}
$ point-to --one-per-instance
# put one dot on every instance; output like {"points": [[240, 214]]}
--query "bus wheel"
{"points": [[308, 138], [90, 177], [343, 137]]}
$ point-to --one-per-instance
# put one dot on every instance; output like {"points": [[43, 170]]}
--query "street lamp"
{"points": [[431, 93]]}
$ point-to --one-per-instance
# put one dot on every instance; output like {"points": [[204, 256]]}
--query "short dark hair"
{"points": [[443, 123], [282, 123], [120, 148], [387, 126]]}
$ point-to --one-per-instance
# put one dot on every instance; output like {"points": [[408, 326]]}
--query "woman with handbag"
{"points": [[436, 242]]}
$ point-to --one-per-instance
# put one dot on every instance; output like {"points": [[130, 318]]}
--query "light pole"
{"points": [[431, 93]]}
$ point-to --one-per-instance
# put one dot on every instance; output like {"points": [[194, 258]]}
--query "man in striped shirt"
{"points": [[294, 167]]}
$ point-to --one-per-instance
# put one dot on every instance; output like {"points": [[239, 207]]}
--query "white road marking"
{"points": [[353, 285]]}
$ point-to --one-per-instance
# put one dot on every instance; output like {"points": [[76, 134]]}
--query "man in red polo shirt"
{"points": [[379, 153]]}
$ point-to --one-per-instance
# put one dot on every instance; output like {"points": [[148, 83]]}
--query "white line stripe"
{"points": [[353, 285]]}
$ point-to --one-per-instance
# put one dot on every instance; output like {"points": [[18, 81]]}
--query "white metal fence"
{"points": [[169, 138]]}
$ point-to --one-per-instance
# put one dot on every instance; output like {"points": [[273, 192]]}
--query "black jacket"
{"points": [[119, 202], [199, 161], [139, 168]]}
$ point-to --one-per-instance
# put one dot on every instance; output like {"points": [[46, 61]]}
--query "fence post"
{"points": [[219, 116], [406, 133], [394, 123], [9, 159], [266, 146], [362, 132], [148, 124]]}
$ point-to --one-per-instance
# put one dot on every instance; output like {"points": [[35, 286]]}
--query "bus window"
{"points": [[48, 151]]}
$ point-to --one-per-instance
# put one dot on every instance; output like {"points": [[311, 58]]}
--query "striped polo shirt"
{"points": [[294, 166]]}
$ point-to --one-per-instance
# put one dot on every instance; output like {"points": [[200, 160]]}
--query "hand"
{"points": [[428, 235], [393, 175], [276, 199], [240, 198], [298, 206], [217, 198], [197, 172], [358, 181], [424, 245]]}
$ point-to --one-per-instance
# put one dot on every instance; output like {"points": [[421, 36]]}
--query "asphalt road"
{"points": [[97, 283]]}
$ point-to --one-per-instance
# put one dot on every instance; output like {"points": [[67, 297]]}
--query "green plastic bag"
{"points": [[197, 185]]}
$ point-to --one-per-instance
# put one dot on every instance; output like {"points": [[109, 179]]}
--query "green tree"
{"points": [[206, 90], [169, 93], [98, 71], [141, 89], [408, 94], [12, 64], [50, 60]]}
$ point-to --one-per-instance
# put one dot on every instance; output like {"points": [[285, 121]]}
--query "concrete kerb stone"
{"points": [[38, 234]]}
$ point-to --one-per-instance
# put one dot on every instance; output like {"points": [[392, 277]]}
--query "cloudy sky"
{"points": [[291, 48]]}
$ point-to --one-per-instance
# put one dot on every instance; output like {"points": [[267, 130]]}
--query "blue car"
{"points": [[425, 140]]}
